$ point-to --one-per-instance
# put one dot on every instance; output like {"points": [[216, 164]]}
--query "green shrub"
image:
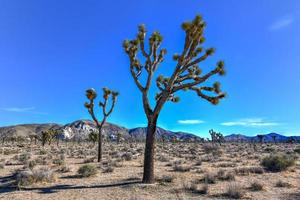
{"points": [[87, 170], [278, 162]]}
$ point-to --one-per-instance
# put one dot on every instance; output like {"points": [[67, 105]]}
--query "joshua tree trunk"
{"points": [[100, 140], [148, 176], [100, 145]]}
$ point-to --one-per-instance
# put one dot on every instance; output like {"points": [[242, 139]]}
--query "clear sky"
{"points": [[52, 51]]}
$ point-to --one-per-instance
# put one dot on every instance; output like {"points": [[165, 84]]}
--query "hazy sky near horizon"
{"points": [[52, 51]]}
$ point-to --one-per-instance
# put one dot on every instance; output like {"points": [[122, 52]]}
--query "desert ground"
{"points": [[182, 170]]}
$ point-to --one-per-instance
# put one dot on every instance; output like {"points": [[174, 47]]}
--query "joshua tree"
{"points": [[91, 95], [46, 136], [186, 75], [216, 137], [56, 134], [119, 137], [93, 137], [274, 138], [260, 138]]}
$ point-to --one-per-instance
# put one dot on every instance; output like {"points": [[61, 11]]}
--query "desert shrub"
{"points": [[198, 162], [58, 161], [269, 149], [64, 169], [24, 157], [209, 178], [297, 150], [248, 170], [29, 177], [167, 179], [278, 162], [2, 165], [234, 191], [181, 168], [87, 170], [89, 160], [226, 164], [212, 148], [31, 164], [225, 175], [163, 158], [108, 169], [281, 183], [198, 189], [127, 156], [256, 186], [43, 152]]}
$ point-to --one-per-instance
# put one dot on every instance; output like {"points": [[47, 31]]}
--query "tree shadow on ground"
{"points": [[56, 188]]}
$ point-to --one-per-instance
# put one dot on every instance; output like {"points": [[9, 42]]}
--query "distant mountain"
{"points": [[24, 130], [140, 133], [80, 129], [266, 138]]}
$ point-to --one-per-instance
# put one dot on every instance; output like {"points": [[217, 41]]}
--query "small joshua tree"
{"points": [[260, 138], [46, 136], [216, 137], [186, 75], [274, 138], [91, 95], [93, 137]]}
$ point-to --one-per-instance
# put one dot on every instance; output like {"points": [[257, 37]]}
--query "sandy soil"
{"points": [[186, 164]]}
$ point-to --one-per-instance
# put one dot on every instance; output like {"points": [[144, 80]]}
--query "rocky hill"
{"points": [[81, 128], [266, 138]]}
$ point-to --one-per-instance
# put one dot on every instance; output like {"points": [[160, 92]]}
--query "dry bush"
{"points": [[166, 179], [2, 165], [199, 189], [278, 162], [64, 169], [248, 170], [58, 161], [29, 177], [256, 186], [23, 158], [108, 169], [127, 156], [225, 175], [210, 178], [163, 158], [89, 160], [181, 168], [87, 170], [281, 183], [234, 191]]}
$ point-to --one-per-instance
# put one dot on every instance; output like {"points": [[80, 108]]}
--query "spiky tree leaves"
{"points": [[186, 76], [216, 137], [108, 95]]}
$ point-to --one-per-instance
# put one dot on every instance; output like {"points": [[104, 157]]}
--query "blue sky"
{"points": [[52, 51]]}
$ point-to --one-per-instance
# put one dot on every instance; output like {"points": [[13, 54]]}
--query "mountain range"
{"points": [[80, 129]]}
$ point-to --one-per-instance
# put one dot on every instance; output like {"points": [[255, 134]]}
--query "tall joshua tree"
{"points": [[186, 76], [91, 94]]}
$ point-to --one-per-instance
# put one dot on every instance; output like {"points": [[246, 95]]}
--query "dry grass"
{"points": [[183, 170]]}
